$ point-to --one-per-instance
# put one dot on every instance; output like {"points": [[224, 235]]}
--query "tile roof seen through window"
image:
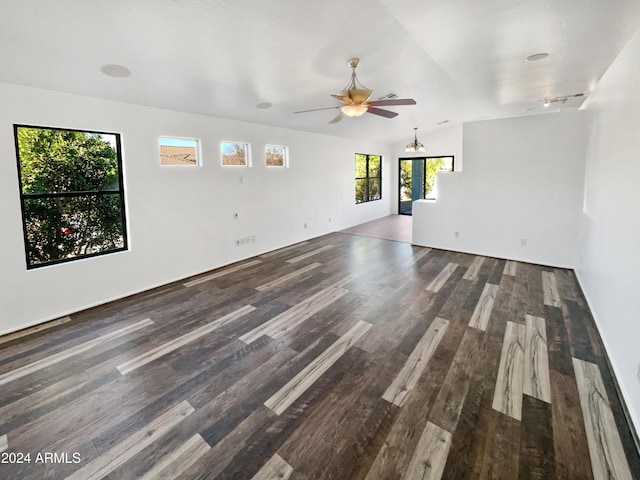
{"points": [[171, 155]]}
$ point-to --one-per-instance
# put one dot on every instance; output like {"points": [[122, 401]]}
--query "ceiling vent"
{"points": [[388, 96]]}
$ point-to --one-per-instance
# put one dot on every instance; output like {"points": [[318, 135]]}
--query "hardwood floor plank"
{"points": [[181, 341], [453, 394], [536, 441], [607, 454], [442, 278], [4, 443], [31, 330], [118, 455], [178, 461], [276, 468], [482, 312], [283, 250], [221, 273], [407, 378], [536, 360], [430, 456], [290, 319], [508, 393], [298, 384], [550, 289], [474, 268], [309, 254], [510, 268], [71, 352], [415, 258], [287, 277]]}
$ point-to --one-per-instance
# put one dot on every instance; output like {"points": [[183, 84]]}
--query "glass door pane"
{"points": [[411, 183]]}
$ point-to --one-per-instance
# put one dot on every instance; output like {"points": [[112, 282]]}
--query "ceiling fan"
{"points": [[355, 99]]}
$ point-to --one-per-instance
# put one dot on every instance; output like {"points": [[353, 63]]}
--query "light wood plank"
{"points": [[221, 273], [31, 330], [474, 268], [430, 456], [510, 268], [135, 443], [275, 469], [484, 307], [70, 352], [286, 278], [607, 455], [507, 397], [178, 461], [415, 258], [442, 277], [290, 319], [309, 254], [550, 289], [536, 360], [288, 394], [169, 347], [4, 443], [406, 380]]}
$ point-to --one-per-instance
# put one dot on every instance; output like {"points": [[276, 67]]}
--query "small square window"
{"points": [[276, 156], [235, 154], [179, 151]]}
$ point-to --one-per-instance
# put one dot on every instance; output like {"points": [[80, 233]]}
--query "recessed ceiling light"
{"points": [[264, 105], [536, 56], [116, 71]]}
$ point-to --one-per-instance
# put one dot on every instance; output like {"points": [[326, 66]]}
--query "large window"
{"points": [[71, 192], [368, 177]]}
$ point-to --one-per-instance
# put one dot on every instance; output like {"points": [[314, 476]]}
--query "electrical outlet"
{"points": [[456, 234], [305, 225], [235, 215], [329, 219], [523, 242]]}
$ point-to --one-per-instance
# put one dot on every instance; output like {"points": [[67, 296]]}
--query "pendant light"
{"points": [[415, 146]]}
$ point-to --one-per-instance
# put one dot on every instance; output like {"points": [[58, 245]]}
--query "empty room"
{"points": [[381, 239]]}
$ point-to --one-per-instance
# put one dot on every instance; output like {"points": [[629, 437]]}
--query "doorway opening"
{"points": [[417, 179]]}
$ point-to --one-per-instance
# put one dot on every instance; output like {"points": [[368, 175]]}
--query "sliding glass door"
{"points": [[418, 179]]}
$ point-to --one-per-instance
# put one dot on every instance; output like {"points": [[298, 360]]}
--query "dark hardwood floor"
{"points": [[344, 357]]}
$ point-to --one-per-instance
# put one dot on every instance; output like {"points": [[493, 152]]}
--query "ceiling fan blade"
{"points": [[381, 112], [317, 109], [393, 101], [339, 117]]}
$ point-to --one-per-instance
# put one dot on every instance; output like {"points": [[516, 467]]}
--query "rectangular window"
{"points": [[368, 177], [276, 156], [71, 192], [179, 151], [235, 154]]}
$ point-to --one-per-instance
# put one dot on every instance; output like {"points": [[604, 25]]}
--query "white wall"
{"points": [[444, 142], [610, 229], [522, 179], [180, 220]]}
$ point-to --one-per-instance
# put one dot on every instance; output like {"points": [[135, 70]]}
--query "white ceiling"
{"points": [[461, 60]]}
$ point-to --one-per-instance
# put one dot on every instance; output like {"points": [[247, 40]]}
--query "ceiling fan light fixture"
{"points": [[415, 146], [353, 110]]}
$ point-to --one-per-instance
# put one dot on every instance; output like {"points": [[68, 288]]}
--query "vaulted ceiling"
{"points": [[461, 60]]}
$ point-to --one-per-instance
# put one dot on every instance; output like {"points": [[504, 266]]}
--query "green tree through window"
{"points": [[368, 177], [71, 192]]}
